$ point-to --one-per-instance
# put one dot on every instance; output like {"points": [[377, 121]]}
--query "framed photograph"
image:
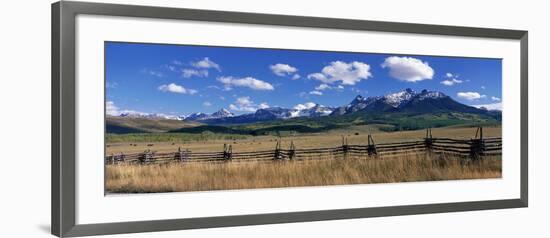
{"points": [[168, 119]]}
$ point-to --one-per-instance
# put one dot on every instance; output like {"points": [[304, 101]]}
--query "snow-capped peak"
{"points": [[396, 99], [430, 94], [135, 114], [222, 113]]}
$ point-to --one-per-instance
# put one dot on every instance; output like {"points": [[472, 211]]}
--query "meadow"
{"points": [[177, 177], [213, 142], [199, 176]]}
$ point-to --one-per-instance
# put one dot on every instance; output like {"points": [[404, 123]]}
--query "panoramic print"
{"points": [[185, 118]]}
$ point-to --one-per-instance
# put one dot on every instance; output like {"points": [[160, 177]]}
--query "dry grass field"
{"points": [[175, 177], [356, 135], [179, 177]]}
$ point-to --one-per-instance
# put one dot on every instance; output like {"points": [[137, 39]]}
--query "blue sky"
{"points": [[179, 79]]}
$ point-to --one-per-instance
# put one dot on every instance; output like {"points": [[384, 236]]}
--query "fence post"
{"points": [[110, 159], [230, 152], [345, 147], [277, 155], [371, 147], [182, 156], [428, 142], [477, 145], [146, 156], [227, 152], [291, 151]]}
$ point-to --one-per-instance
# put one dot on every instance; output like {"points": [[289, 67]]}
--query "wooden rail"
{"points": [[475, 148]]}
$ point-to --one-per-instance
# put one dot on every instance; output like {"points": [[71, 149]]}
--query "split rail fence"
{"points": [[476, 148]]}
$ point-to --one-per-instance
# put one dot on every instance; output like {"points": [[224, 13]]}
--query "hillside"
{"points": [[124, 125]]}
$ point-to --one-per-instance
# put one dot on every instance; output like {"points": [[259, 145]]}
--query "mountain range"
{"points": [[406, 101]]}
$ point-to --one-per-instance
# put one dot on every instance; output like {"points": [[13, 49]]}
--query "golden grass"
{"points": [[316, 140], [175, 177]]}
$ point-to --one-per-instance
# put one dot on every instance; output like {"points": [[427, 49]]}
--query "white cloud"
{"points": [[245, 104], [322, 87], [282, 69], [316, 93], [319, 76], [263, 105], [451, 79], [470, 95], [188, 73], [492, 106], [153, 73], [206, 63], [482, 87], [304, 106], [348, 73], [495, 98], [248, 82], [408, 69], [244, 101], [451, 82], [111, 109], [171, 68], [340, 87], [296, 76], [207, 104], [174, 88]]}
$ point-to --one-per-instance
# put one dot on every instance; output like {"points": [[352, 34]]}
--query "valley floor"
{"points": [[356, 135]]}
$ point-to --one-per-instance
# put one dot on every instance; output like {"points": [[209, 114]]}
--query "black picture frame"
{"points": [[64, 134]]}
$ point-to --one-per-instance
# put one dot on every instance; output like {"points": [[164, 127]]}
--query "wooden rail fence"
{"points": [[475, 148]]}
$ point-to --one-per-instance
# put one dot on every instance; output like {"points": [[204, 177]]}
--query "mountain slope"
{"points": [[407, 101], [123, 125]]}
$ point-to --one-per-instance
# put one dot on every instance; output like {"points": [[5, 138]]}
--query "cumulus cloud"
{"points": [[111, 109], [495, 98], [307, 105], [282, 69], [470, 95], [451, 79], [451, 82], [408, 69], [206, 63], [318, 93], [347, 73], [263, 105], [296, 76], [188, 73], [247, 82], [493, 106], [322, 87], [174, 88], [245, 104]]}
